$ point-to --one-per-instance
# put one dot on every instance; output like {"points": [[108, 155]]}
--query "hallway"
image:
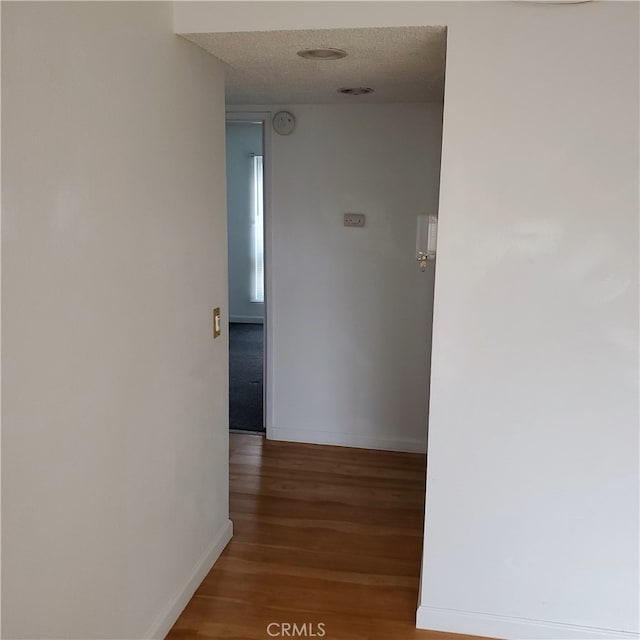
{"points": [[322, 535]]}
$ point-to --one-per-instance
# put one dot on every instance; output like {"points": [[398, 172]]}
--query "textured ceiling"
{"points": [[402, 64]]}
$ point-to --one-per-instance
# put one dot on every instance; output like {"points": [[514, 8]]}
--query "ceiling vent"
{"points": [[552, 2], [323, 53], [356, 91]]}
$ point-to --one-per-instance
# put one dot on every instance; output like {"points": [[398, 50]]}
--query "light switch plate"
{"points": [[354, 219]]}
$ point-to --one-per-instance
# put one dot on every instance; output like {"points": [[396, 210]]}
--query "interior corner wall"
{"points": [[114, 395], [351, 311], [243, 140], [532, 507]]}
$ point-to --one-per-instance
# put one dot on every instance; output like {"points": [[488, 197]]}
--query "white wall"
{"points": [[533, 458], [351, 311], [532, 488], [242, 139], [114, 424]]}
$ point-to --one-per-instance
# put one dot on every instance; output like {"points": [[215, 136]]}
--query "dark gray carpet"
{"points": [[246, 353]]}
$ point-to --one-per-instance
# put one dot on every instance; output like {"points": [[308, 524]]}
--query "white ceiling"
{"points": [[402, 64]]}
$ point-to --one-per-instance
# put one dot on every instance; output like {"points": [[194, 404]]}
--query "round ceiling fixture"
{"points": [[323, 53], [356, 91]]}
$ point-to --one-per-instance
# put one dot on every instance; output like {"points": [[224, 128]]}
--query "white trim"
{"points": [[264, 117], [493, 626], [269, 308], [167, 618], [247, 319], [347, 440]]}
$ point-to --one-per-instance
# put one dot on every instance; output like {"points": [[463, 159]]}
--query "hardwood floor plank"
{"points": [[337, 560], [324, 538], [322, 572], [322, 535], [336, 525], [273, 506]]}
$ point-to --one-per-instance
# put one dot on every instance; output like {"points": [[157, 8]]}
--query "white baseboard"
{"points": [[492, 626], [346, 440], [246, 319], [166, 619]]}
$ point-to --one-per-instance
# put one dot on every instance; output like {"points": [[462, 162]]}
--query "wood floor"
{"points": [[322, 534]]}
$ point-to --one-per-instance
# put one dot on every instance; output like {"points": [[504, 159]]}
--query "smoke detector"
{"points": [[322, 53]]}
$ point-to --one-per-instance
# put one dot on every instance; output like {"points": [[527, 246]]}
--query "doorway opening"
{"points": [[351, 127], [246, 263]]}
